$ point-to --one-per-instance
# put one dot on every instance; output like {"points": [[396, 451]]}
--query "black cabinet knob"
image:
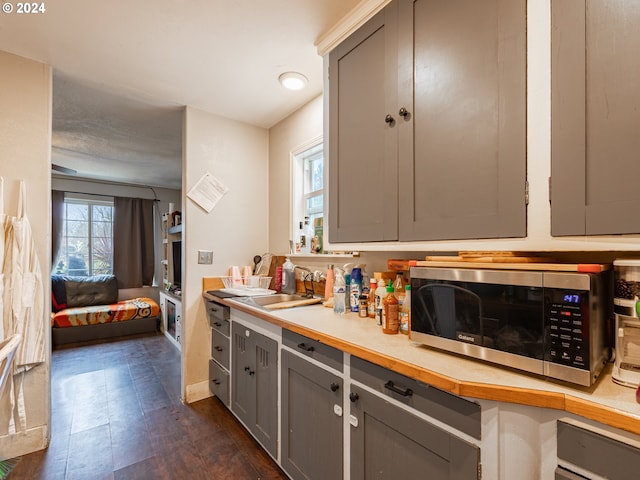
{"points": [[388, 119], [218, 348], [354, 397], [246, 369], [251, 372], [403, 112], [334, 387]]}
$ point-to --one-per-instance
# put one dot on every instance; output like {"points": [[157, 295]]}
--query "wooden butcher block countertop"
{"points": [[605, 402]]}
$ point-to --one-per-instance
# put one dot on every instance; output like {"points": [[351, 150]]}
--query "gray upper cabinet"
{"points": [[595, 103], [363, 164], [434, 132]]}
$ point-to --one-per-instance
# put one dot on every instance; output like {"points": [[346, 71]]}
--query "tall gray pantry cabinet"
{"points": [[427, 123], [595, 102]]}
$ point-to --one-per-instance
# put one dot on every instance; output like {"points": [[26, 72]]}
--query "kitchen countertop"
{"points": [[605, 401]]}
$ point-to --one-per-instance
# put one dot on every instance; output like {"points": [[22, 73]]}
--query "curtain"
{"points": [[133, 240], [57, 217]]}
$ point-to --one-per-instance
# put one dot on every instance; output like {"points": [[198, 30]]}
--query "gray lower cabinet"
{"points": [[218, 316], [595, 108], [390, 442], [427, 111], [594, 455], [254, 374], [312, 421]]}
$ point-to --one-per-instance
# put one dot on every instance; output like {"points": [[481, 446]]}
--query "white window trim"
{"points": [[296, 211]]}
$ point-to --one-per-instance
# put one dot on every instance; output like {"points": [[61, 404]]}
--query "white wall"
{"points": [[25, 136], [236, 229]]}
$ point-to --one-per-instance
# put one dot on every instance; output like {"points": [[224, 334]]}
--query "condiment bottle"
{"points": [[372, 298], [398, 288], [405, 311], [363, 307], [390, 312], [379, 295]]}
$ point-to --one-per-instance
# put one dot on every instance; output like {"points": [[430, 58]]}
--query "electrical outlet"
{"points": [[205, 256]]}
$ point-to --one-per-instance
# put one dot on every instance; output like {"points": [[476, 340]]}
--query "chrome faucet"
{"points": [[307, 281]]}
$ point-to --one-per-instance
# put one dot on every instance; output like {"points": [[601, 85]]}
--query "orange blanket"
{"points": [[116, 312]]}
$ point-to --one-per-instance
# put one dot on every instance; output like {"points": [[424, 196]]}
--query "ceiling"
{"points": [[123, 71]]}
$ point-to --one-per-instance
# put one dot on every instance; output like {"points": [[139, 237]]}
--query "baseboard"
{"points": [[197, 391], [33, 440]]}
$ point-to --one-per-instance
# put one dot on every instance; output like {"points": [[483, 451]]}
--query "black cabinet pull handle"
{"points": [[403, 112], [405, 392], [354, 397], [217, 324], [216, 381], [218, 349], [388, 119], [251, 372], [334, 387], [305, 347], [246, 369]]}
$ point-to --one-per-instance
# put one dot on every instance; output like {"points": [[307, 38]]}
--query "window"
{"points": [[87, 236], [308, 185]]}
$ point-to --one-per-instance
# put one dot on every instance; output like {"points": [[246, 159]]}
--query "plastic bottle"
{"points": [[372, 298], [339, 293], [278, 283], [308, 235], [328, 285], [390, 312], [355, 289], [398, 288], [300, 240], [379, 295], [405, 311], [365, 280], [288, 277]]}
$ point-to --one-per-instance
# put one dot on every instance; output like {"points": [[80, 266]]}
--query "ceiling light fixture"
{"points": [[293, 80]]}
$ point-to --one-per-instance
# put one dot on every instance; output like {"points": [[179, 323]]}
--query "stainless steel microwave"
{"points": [[555, 324]]}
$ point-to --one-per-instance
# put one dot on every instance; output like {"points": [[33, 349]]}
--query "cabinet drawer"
{"points": [[597, 454], [313, 349], [220, 348], [219, 382], [446, 407], [218, 317]]}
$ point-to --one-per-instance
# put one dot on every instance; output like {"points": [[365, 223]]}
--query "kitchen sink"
{"points": [[264, 300]]}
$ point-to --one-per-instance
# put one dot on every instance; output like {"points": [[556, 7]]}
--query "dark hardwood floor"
{"points": [[116, 414]]}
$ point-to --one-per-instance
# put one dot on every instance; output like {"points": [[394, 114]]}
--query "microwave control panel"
{"points": [[567, 327]]}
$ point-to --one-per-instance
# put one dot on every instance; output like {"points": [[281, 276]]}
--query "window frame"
{"points": [[298, 200], [90, 201]]}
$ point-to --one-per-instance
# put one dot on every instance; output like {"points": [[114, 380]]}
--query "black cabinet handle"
{"points": [[217, 324], [405, 392], [218, 348], [354, 397], [251, 372], [216, 381], [388, 119], [246, 369], [403, 112], [305, 347], [334, 387]]}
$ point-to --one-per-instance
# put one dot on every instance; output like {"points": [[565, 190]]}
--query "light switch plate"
{"points": [[205, 256]]}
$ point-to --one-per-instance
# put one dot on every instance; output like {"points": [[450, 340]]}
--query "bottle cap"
{"points": [[390, 288], [407, 287]]}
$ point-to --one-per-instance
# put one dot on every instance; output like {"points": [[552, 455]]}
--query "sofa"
{"points": [[93, 308]]}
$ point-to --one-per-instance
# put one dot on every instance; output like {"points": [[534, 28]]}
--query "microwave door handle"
{"points": [[420, 298]]}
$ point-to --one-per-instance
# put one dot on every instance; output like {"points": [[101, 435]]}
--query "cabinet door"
{"points": [[362, 146], [265, 423], [388, 442], [595, 111], [462, 144], [243, 401], [311, 420]]}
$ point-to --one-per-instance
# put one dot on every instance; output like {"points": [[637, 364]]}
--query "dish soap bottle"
{"points": [[288, 277], [339, 293], [328, 286]]}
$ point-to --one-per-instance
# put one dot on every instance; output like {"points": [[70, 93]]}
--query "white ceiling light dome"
{"points": [[293, 80]]}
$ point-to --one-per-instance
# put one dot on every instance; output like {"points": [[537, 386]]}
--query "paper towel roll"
{"points": [[172, 207]]}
